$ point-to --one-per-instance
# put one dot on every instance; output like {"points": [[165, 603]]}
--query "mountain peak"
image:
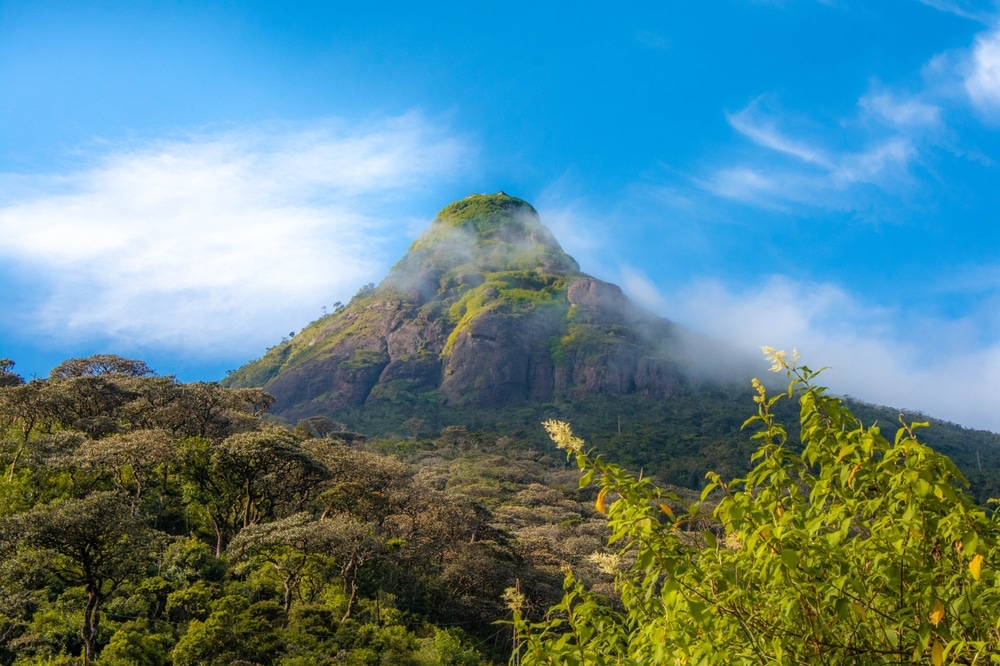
{"points": [[484, 310], [489, 215], [480, 234]]}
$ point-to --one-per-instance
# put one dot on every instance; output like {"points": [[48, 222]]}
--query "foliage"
{"points": [[100, 364], [488, 281], [143, 520], [504, 231], [509, 292], [853, 550], [7, 375], [95, 542], [485, 212], [241, 539]]}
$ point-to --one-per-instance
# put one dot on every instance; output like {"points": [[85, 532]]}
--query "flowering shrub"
{"points": [[851, 549]]}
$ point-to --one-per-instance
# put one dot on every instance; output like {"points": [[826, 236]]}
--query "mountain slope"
{"points": [[484, 310], [486, 323]]}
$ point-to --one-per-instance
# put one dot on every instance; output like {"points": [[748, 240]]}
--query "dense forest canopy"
{"points": [[149, 521], [144, 520]]}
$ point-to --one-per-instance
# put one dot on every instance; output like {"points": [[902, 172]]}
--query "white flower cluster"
{"points": [[562, 435], [606, 562], [514, 599], [779, 358]]}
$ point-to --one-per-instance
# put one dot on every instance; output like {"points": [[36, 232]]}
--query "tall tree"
{"points": [[7, 375], [248, 478], [296, 547], [96, 542], [23, 408], [100, 364]]}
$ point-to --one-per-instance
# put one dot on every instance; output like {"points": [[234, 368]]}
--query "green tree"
{"points": [[296, 548], [23, 407], [96, 542], [133, 462], [249, 478], [100, 364], [236, 632], [851, 550], [135, 644], [7, 375]]}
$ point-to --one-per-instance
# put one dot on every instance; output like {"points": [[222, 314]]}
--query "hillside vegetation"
{"points": [[855, 549], [148, 521], [485, 310]]}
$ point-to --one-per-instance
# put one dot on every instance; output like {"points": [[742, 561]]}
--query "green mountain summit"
{"points": [[484, 310]]}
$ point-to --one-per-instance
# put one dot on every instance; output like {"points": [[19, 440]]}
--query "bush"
{"points": [[851, 550]]}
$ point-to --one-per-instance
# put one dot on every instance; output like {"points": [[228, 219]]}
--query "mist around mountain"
{"points": [[485, 310], [486, 323]]}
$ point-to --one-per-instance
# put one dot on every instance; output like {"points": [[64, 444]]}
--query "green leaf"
{"points": [[790, 557]]}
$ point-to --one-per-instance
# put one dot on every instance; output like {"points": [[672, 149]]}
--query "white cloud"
{"points": [[761, 129], [967, 10], [653, 40], [893, 131], [582, 234], [216, 242], [833, 184], [982, 82], [799, 171], [642, 290], [879, 354], [752, 186], [901, 110], [884, 161]]}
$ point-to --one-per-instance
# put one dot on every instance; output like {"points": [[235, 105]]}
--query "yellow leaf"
{"points": [[850, 479], [666, 509], [858, 608], [937, 614], [937, 654], [599, 504], [976, 566]]}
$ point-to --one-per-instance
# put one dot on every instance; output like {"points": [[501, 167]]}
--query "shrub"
{"points": [[851, 550]]}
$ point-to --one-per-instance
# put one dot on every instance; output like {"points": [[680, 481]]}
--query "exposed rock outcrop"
{"points": [[484, 310]]}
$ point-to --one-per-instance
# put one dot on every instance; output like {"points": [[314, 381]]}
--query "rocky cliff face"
{"points": [[485, 310]]}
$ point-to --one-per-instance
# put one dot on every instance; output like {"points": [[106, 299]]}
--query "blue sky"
{"points": [[188, 182]]}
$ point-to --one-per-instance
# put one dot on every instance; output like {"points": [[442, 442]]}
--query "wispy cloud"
{"points": [[214, 242], [880, 150], [642, 290], [877, 353], [974, 11], [982, 82], [653, 40], [801, 171], [583, 234], [761, 129], [899, 110]]}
